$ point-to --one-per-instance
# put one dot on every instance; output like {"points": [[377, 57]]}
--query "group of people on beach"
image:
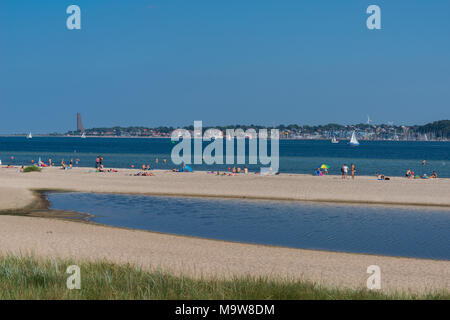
{"points": [[184, 168], [65, 166], [231, 171], [99, 162], [148, 166], [410, 174], [345, 169]]}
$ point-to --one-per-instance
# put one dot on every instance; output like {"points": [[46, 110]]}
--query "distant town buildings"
{"points": [[436, 131]]}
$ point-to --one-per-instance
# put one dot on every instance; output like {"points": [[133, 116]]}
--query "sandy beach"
{"points": [[209, 258], [200, 257], [364, 189]]}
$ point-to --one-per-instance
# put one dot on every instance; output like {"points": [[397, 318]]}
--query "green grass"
{"points": [[32, 169], [32, 278]]}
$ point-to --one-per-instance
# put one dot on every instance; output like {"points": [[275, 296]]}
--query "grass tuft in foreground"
{"points": [[32, 169], [32, 278]]}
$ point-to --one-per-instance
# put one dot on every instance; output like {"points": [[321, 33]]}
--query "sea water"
{"points": [[296, 156], [394, 231]]}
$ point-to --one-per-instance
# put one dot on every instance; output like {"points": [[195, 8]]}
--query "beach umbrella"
{"points": [[324, 166]]}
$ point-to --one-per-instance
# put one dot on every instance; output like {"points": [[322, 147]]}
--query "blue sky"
{"points": [[170, 62]]}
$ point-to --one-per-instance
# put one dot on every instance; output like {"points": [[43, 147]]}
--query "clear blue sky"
{"points": [[170, 62]]}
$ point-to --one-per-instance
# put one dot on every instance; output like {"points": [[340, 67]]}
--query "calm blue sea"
{"points": [[388, 157], [396, 231]]}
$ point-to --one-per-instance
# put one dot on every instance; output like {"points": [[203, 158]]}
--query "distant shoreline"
{"points": [[156, 137]]}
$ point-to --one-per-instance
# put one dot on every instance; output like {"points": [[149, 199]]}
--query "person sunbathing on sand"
{"points": [[381, 176], [144, 174]]}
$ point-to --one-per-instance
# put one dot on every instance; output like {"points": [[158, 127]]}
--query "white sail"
{"points": [[353, 140], [334, 140], [83, 135], [29, 136]]}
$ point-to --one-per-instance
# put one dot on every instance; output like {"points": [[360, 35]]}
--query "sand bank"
{"points": [[282, 187], [210, 258]]}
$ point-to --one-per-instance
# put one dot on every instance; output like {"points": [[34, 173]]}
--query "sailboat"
{"points": [[83, 135], [29, 136], [353, 141], [334, 140]]}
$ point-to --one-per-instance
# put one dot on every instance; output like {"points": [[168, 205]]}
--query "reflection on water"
{"points": [[396, 231]]}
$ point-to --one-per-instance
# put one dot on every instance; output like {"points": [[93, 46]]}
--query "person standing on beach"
{"points": [[353, 169], [97, 161], [344, 171], [101, 160]]}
